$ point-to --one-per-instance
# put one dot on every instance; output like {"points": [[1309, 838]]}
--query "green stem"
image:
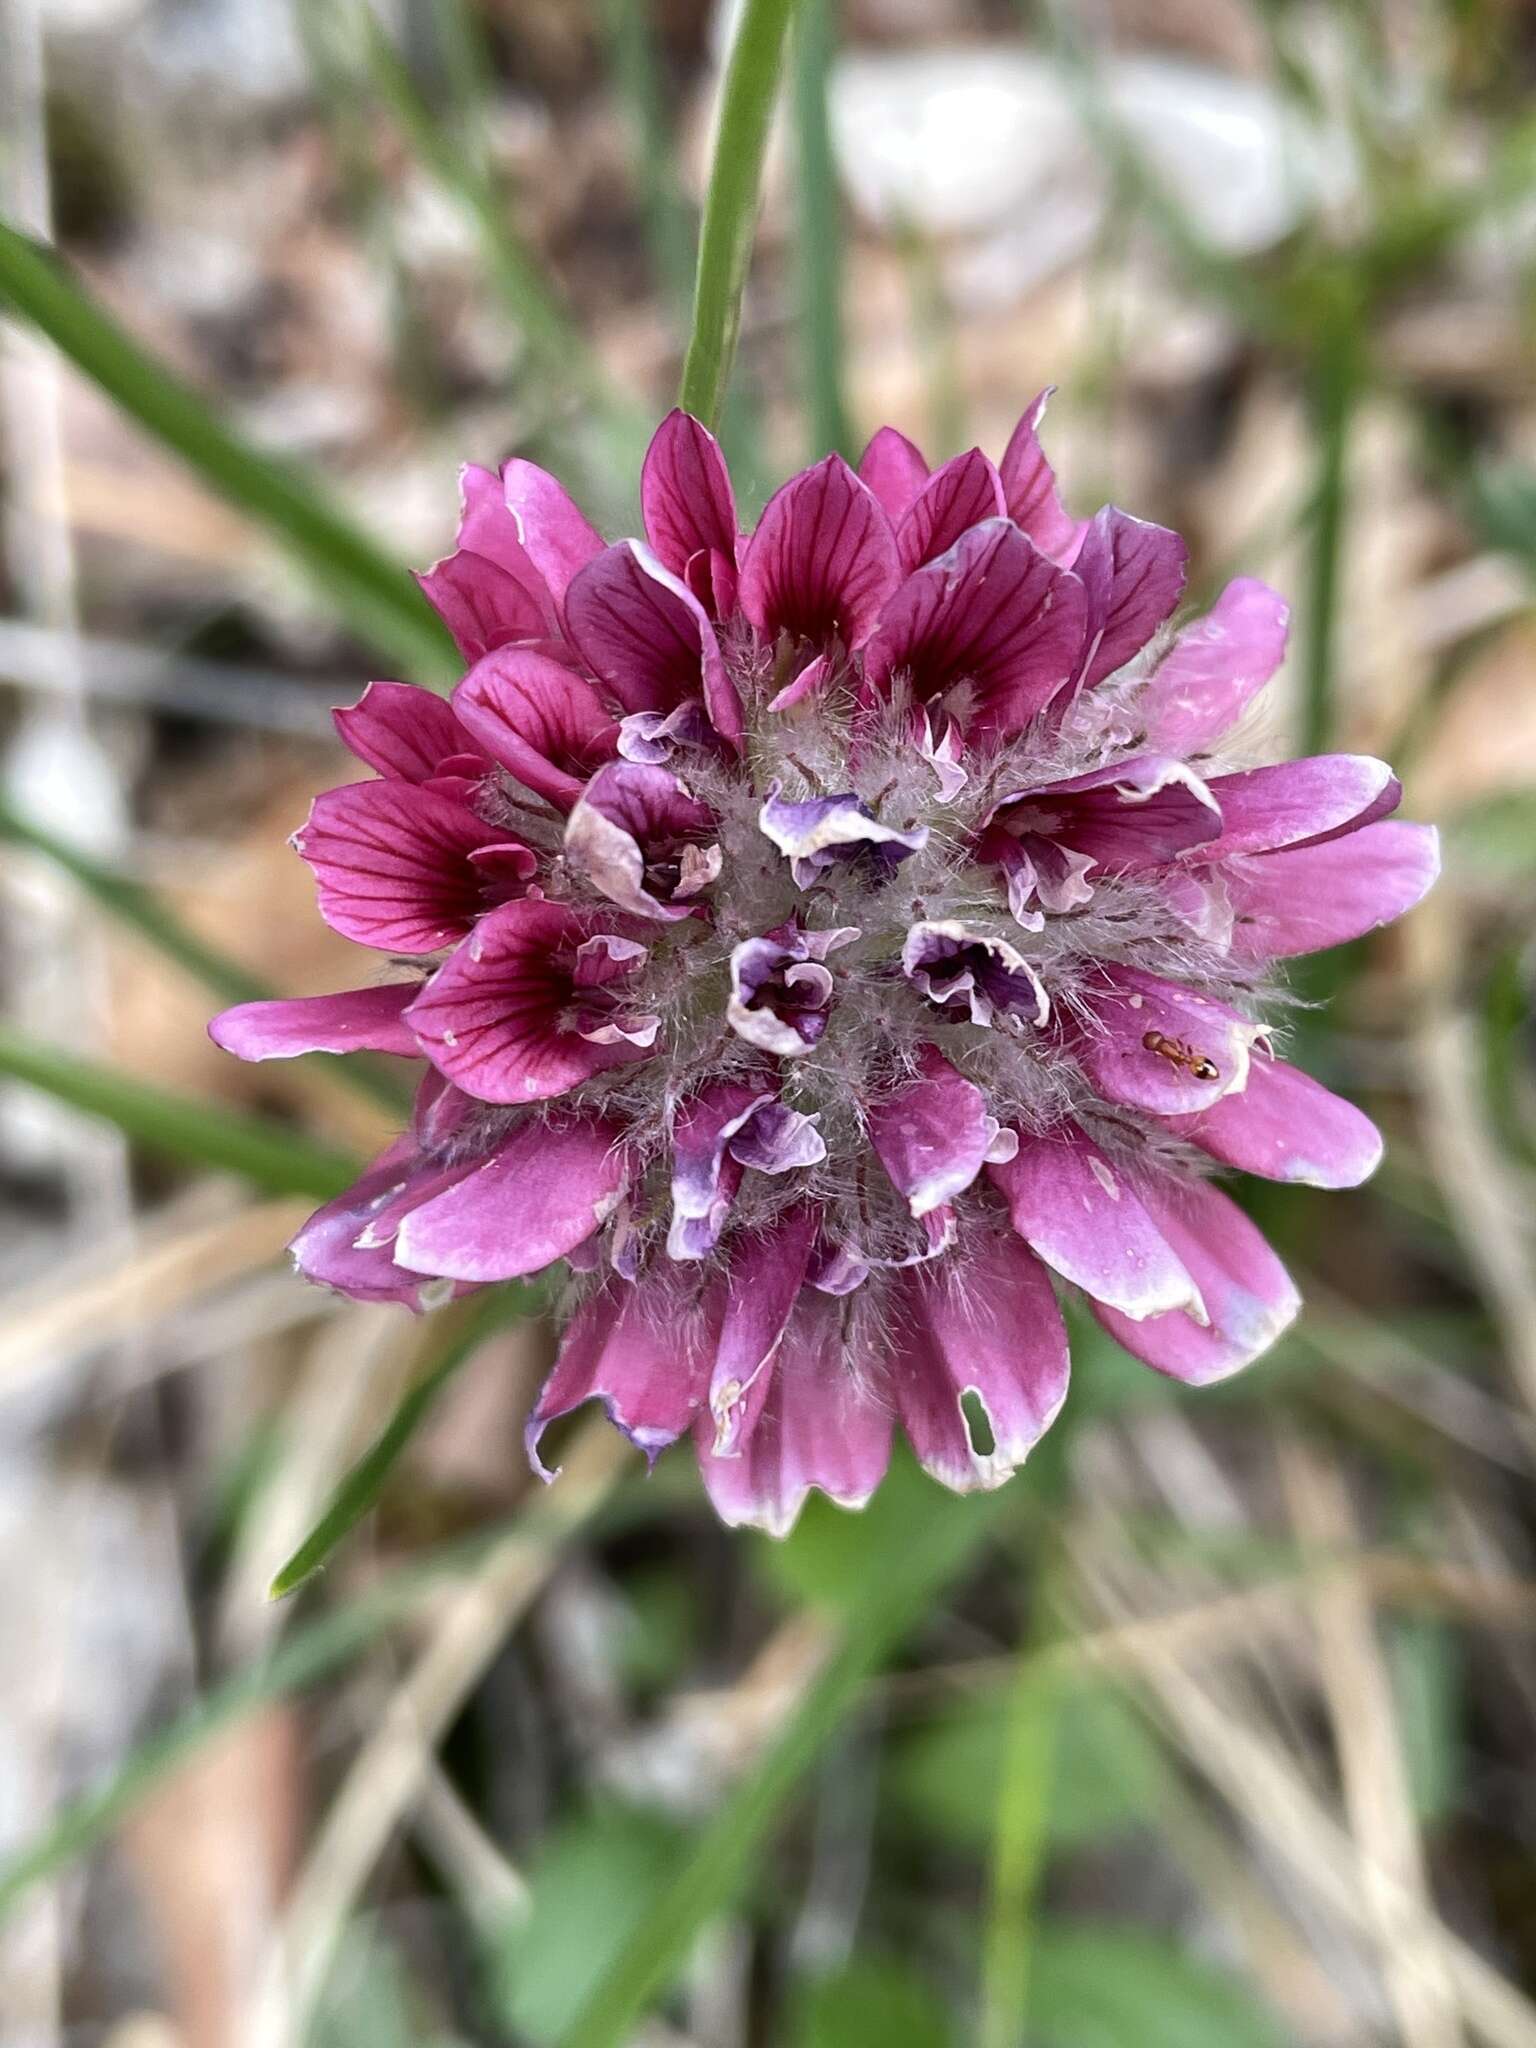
{"points": [[820, 252], [270, 1157], [747, 98], [379, 599]]}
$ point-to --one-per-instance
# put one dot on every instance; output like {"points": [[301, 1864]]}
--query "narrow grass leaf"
{"points": [[360, 1488], [820, 252], [378, 599], [628, 31], [747, 96], [280, 1161]]}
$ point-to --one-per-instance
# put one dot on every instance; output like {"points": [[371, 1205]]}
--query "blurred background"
{"points": [[1215, 1729]]}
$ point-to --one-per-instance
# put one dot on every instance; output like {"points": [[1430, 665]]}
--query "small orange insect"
{"points": [[1179, 1054]]}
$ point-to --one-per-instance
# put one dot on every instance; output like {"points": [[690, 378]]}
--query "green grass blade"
{"points": [[1336, 382], [627, 28], [142, 911], [820, 253], [379, 600], [747, 98], [359, 1488], [716, 1863], [281, 1161]]}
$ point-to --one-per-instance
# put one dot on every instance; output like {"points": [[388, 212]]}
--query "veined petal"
{"points": [[396, 865], [500, 1017], [1133, 573], [1156, 1045], [630, 834], [1215, 668], [767, 1270], [552, 529], [933, 1135], [358, 1020], [1307, 898], [482, 605], [994, 615], [349, 1243], [955, 498], [819, 1426], [895, 470], [648, 639], [543, 723], [685, 494], [1286, 1126], [1126, 817], [1029, 488], [1082, 1216], [822, 561], [402, 731], [986, 1333], [1295, 803], [627, 1347], [1249, 1297], [543, 1191]]}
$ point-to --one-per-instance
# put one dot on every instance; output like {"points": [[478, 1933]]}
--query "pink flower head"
{"points": [[830, 940]]}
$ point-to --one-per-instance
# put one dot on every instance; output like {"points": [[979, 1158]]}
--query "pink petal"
{"points": [[1286, 1126], [994, 614], [549, 524], [1156, 1045], [630, 823], [646, 636], [1310, 897], [481, 604], [1248, 1295], [823, 559], [989, 1332], [359, 1020], [819, 1427], [1081, 1215], [628, 1348], [402, 731], [349, 1243], [496, 1016], [1293, 802], [542, 1192], [1129, 816], [685, 494], [1215, 668], [932, 1136], [1029, 488], [1133, 573], [395, 868], [766, 1274], [704, 1176], [954, 499], [543, 723], [895, 471]]}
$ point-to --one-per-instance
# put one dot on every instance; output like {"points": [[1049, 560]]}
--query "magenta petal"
{"points": [[932, 1136], [1029, 488], [543, 723], [766, 1274], [704, 1177], [542, 1192], [822, 561], [1214, 669], [1311, 897], [1133, 573], [994, 614], [954, 499], [395, 869], [481, 604], [646, 636], [1156, 1045], [402, 731], [627, 1348], [1286, 1126], [1129, 816], [498, 1016], [359, 1020], [895, 470], [1082, 1216], [685, 494], [349, 1243], [1248, 1295], [820, 1426], [1293, 802], [991, 1334], [640, 839], [554, 532]]}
